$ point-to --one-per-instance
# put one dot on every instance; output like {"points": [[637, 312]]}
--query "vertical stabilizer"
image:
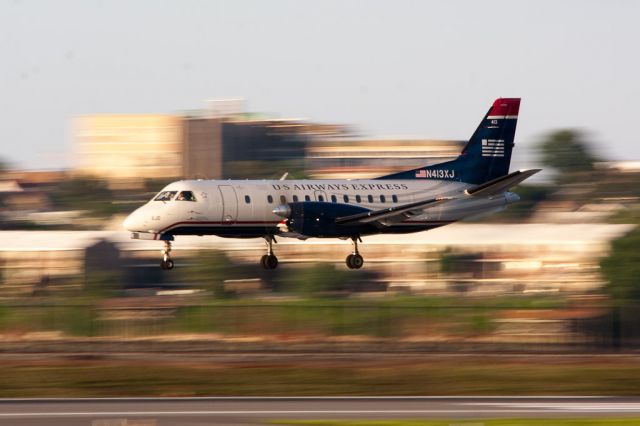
{"points": [[486, 156]]}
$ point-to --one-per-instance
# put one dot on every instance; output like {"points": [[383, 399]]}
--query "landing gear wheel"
{"points": [[166, 264], [269, 261], [349, 261], [355, 261]]}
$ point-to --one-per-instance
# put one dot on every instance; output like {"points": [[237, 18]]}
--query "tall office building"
{"points": [[129, 146]]}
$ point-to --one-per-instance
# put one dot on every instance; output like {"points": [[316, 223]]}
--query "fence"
{"points": [[442, 327]]}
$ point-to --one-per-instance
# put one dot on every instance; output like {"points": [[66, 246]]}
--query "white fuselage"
{"points": [[244, 208]]}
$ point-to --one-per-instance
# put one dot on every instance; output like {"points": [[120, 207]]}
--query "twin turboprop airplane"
{"points": [[474, 184]]}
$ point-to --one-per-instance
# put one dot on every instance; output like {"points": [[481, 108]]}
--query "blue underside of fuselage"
{"points": [[231, 231]]}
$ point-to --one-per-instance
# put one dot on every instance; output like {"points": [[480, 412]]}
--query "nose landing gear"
{"points": [[269, 260], [166, 263], [354, 260]]}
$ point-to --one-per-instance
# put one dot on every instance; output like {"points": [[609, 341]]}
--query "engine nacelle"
{"points": [[317, 219]]}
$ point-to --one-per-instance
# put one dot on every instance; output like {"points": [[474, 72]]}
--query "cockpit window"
{"points": [[186, 196], [165, 196]]}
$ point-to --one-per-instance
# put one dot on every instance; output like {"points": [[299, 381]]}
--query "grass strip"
{"points": [[493, 422], [426, 376]]}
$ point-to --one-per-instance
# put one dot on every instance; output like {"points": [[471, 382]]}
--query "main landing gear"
{"points": [[166, 263], [269, 260], [354, 260]]}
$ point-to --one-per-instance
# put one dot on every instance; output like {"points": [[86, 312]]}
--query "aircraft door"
{"points": [[320, 195], [229, 204]]}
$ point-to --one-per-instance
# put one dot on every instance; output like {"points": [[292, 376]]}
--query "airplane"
{"points": [[474, 184]]}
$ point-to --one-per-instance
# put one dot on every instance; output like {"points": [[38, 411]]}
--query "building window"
{"points": [[394, 198], [283, 199], [307, 198], [358, 199], [247, 199], [269, 199], [383, 199], [295, 198], [370, 198], [345, 198], [334, 199]]}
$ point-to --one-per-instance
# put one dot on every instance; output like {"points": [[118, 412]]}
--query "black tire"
{"points": [[163, 265], [357, 261], [271, 262], [348, 261], [263, 261], [168, 264]]}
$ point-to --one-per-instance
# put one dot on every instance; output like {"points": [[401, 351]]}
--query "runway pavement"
{"points": [[248, 411]]}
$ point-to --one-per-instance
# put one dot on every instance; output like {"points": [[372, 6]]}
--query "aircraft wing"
{"points": [[493, 187], [501, 184], [395, 211]]}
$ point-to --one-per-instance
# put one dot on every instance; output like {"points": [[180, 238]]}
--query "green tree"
{"points": [[84, 193], [567, 152], [622, 268]]}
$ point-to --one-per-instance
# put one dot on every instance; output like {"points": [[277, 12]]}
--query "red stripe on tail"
{"points": [[505, 106]]}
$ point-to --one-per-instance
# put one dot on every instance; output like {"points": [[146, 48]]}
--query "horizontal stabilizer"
{"points": [[372, 216], [501, 184]]}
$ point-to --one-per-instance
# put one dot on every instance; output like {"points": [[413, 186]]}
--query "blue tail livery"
{"points": [[487, 154]]}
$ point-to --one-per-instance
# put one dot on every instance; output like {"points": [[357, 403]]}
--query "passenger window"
{"points": [[358, 198], [283, 199], [334, 199], [165, 196], [307, 198], [394, 198], [320, 198], [269, 199], [295, 198], [345, 198], [370, 198], [383, 199], [186, 196], [247, 199]]}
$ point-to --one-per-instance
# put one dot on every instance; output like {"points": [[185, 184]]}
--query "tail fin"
{"points": [[487, 154]]}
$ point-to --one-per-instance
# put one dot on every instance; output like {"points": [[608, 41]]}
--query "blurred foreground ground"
{"points": [[247, 374]]}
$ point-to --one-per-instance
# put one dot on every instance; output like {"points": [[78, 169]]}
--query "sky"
{"points": [[427, 69]]}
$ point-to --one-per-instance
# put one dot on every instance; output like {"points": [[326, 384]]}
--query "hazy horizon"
{"points": [[413, 69]]}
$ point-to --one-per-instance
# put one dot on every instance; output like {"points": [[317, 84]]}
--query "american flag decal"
{"points": [[493, 147], [421, 174]]}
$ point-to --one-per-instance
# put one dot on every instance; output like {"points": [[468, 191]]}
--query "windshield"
{"points": [[186, 196], [165, 196]]}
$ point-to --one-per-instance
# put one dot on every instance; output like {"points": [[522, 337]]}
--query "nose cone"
{"points": [[134, 222], [283, 211]]}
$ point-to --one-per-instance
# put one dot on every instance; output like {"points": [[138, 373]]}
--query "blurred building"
{"points": [[240, 146], [221, 141], [17, 202], [224, 141], [360, 158], [129, 146]]}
